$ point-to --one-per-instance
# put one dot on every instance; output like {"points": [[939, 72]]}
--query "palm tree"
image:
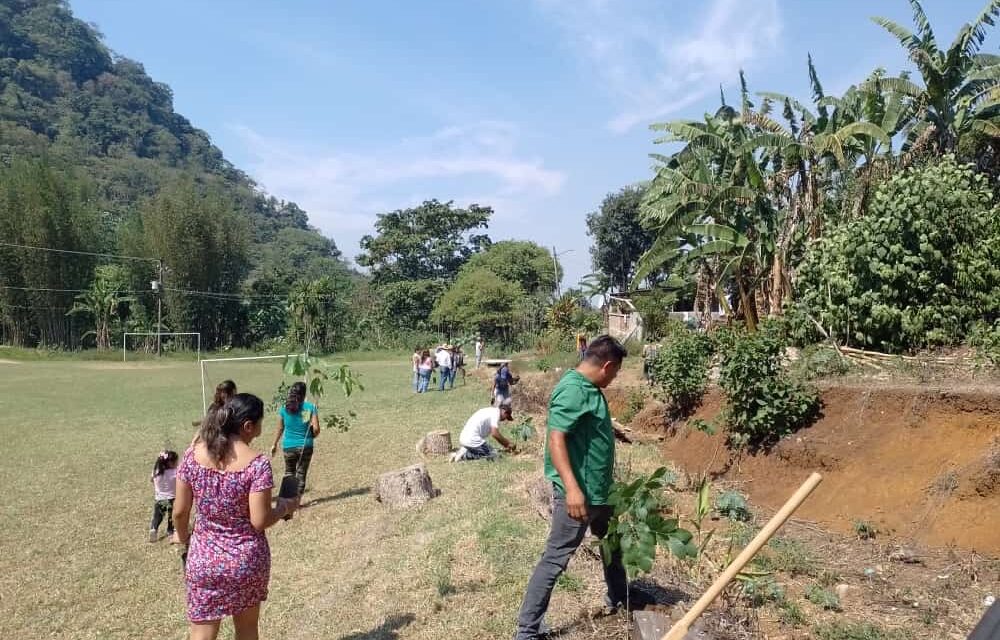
{"points": [[103, 302], [961, 86]]}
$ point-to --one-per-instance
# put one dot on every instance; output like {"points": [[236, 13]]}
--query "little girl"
{"points": [[164, 480]]}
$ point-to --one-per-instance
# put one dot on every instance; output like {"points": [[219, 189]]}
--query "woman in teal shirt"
{"points": [[298, 426]]}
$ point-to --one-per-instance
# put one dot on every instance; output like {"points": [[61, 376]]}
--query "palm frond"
{"points": [[664, 250], [987, 127], [863, 129], [906, 38], [897, 85], [923, 24], [720, 232], [972, 36]]}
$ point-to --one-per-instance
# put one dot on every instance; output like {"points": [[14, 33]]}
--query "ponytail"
{"points": [[223, 392], [296, 396], [221, 426]]}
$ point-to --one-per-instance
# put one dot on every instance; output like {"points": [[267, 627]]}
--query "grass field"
{"points": [[80, 439]]}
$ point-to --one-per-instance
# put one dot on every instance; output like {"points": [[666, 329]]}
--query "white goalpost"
{"points": [[161, 333], [201, 365]]}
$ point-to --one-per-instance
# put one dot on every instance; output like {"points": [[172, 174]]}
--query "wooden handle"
{"points": [[678, 631]]}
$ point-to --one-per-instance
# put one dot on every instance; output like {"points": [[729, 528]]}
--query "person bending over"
{"points": [[483, 424]]}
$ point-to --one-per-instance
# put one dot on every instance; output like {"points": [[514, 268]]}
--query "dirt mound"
{"points": [[652, 419], [921, 464], [531, 394]]}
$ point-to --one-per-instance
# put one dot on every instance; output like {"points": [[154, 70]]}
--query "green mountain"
{"points": [[67, 97]]}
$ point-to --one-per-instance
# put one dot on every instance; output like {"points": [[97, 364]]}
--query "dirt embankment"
{"points": [[921, 465]]}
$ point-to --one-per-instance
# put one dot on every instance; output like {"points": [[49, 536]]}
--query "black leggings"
{"points": [[163, 508], [297, 464]]}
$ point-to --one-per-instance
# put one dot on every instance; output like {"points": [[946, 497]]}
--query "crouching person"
{"points": [[483, 424]]}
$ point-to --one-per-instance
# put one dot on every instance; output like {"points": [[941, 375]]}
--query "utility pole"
{"points": [[555, 267], [159, 308]]}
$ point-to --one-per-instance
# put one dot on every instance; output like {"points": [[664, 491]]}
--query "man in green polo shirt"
{"points": [[579, 460]]}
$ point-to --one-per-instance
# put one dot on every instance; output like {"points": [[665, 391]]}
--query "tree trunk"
{"points": [[407, 487], [435, 442]]}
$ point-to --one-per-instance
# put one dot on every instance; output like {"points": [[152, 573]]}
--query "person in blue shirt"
{"points": [[298, 426], [502, 381]]}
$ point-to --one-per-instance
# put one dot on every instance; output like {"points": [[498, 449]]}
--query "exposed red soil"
{"points": [[921, 464]]}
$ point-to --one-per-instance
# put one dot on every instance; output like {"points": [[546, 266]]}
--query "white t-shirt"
{"points": [[478, 427], [479, 348], [444, 358]]}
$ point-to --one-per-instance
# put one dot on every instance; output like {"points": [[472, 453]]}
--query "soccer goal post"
{"points": [[160, 334], [202, 363]]}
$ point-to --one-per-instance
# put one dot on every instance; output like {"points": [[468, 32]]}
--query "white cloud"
{"points": [[342, 191], [654, 66]]}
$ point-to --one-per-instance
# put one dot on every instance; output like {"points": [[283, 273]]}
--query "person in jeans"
{"points": [[483, 424], [298, 426], [479, 352], [415, 362], [424, 371], [579, 460], [444, 363], [500, 393]]}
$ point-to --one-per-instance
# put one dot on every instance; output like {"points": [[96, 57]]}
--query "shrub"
{"points": [[762, 403], [824, 598], [680, 370], [915, 271], [760, 590], [636, 401], [865, 530], [732, 505], [857, 631], [985, 338]]}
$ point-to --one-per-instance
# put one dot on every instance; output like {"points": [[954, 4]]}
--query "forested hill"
{"points": [[66, 96]]}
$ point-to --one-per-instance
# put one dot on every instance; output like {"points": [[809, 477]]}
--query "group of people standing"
{"points": [[448, 360], [227, 560]]}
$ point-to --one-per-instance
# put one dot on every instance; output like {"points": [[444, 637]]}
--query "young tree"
{"points": [[523, 262], [103, 302]]}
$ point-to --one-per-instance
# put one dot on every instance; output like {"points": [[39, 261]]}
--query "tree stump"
{"points": [[405, 487], [435, 442]]}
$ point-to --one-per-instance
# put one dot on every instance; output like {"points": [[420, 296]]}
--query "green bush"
{"points": [[763, 404], [680, 370], [917, 270], [985, 338], [636, 401], [824, 598], [857, 631], [731, 504]]}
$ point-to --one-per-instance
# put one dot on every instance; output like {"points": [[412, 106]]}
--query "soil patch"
{"points": [[920, 464]]}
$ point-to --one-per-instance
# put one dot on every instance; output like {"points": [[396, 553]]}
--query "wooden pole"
{"points": [[678, 631]]}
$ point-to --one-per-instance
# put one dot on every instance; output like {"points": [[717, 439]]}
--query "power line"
{"points": [[78, 253], [45, 289]]}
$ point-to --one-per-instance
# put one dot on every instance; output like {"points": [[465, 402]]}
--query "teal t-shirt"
{"points": [[578, 409], [297, 432]]}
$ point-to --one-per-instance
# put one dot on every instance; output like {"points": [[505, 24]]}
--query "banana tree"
{"points": [[960, 93], [103, 302]]}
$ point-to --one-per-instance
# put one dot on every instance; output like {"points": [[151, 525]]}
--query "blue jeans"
{"points": [[445, 377], [424, 380]]}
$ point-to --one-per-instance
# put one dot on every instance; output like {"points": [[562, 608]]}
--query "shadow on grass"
{"points": [[385, 631], [350, 493]]}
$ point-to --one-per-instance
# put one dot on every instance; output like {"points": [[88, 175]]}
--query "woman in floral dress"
{"points": [[228, 561]]}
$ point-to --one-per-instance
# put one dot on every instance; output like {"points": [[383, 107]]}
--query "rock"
{"points": [[405, 487], [842, 591], [905, 555], [988, 601]]}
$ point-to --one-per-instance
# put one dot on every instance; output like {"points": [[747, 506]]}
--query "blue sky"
{"points": [[536, 107]]}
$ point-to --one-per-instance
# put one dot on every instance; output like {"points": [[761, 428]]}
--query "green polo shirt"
{"points": [[578, 409]]}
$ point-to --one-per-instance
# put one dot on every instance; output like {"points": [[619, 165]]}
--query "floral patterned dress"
{"points": [[229, 562]]}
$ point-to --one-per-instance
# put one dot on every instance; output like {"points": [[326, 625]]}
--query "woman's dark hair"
{"points": [[220, 427], [296, 396], [164, 461], [223, 392]]}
